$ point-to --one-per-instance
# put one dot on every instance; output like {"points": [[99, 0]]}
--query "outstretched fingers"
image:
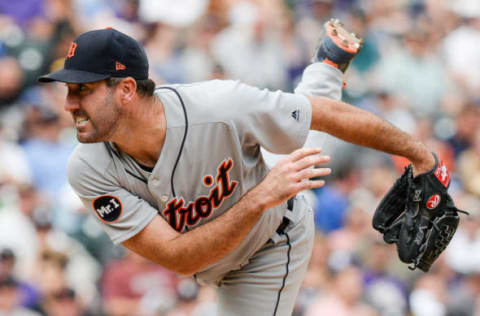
{"points": [[303, 152], [303, 160], [294, 174], [311, 184], [313, 173], [311, 161], [307, 178]]}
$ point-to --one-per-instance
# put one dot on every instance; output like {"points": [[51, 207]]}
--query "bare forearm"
{"points": [[209, 243], [363, 128], [194, 250]]}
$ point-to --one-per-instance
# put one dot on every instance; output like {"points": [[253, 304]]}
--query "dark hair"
{"points": [[6, 254], [64, 293], [145, 88], [7, 281]]}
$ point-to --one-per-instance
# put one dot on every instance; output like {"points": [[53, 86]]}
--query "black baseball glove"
{"points": [[419, 216]]}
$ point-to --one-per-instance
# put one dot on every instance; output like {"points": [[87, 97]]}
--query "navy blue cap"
{"points": [[101, 54]]}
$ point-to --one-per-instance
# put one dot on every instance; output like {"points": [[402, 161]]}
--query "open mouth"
{"points": [[81, 118]]}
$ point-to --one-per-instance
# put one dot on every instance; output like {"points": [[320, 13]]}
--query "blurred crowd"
{"points": [[419, 69]]}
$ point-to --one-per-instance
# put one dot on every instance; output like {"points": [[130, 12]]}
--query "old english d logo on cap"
{"points": [[72, 50], [119, 66], [101, 54]]}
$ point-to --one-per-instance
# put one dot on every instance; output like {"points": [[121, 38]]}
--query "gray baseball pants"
{"points": [[268, 285]]}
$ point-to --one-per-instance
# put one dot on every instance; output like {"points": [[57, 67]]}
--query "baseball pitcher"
{"points": [[175, 173]]}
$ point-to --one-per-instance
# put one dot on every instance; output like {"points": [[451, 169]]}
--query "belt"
{"points": [[285, 220]]}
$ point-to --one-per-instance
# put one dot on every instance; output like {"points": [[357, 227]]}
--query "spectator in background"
{"points": [[27, 293], [355, 231], [46, 153], [295, 50], [368, 57], [396, 112], [187, 292], [469, 165], [428, 297], [383, 290], [317, 279], [7, 262], [162, 52], [80, 271], [377, 179], [414, 72], [463, 253], [128, 10], [32, 49], [332, 200], [50, 275], [344, 298], [64, 302], [193, 300], [129, 282], [312, 15], [197, 59], [462, 49], [16, 210], [466, 123], [11, 81], [10, 300], [14, 168], [22, 11], [250, 49], [465, 302]]}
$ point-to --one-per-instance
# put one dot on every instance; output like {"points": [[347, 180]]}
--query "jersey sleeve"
{"points": [[320, 79], [275, 120], [120, 213]]}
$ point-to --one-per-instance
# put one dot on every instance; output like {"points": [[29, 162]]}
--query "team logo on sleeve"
{"points": [[108, 208]]}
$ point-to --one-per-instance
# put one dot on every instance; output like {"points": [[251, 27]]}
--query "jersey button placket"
{"points": [[154, 186]]}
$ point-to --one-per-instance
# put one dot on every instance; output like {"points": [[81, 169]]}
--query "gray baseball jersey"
{"points": [[210, 158], [318, 79]]}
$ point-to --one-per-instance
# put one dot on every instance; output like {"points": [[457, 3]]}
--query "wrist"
{"points": [[424, 164], [261, 198]]}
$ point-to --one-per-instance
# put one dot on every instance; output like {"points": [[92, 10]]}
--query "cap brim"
{"points": [[73, 76]]}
